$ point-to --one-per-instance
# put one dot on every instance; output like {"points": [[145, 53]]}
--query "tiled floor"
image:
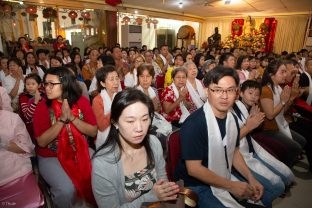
{"points": [[300, 195]]}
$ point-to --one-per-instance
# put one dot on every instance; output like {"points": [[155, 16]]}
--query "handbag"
{"points": [[186, 197]]}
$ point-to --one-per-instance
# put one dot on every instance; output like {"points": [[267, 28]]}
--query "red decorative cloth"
{"points": [[271, 23], [113, 2], [235, 23], [73, 154]]}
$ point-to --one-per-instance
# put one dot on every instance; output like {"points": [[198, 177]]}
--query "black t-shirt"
{"points": [[194, 144], [304, 82]]}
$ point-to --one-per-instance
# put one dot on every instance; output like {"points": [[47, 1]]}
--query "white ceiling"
{"points": [[210, 8]]}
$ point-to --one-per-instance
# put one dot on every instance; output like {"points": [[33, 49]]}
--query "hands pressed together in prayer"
{"points": [[255, 118], [165, 190], [66, 114]]}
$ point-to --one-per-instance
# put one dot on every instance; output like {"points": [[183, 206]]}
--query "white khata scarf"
{"points": [[40, 71], [185, 112], [280, 119], [309, 99], [107, 102], [253, 163], [218, 150], [199, 98], [151, 92]]}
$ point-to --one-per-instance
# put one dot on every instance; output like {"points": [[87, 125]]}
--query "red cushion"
{"points": [[174, 153]]}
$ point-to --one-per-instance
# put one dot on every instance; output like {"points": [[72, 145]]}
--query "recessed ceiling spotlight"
{"points": [[180, 4], [135, 11]]}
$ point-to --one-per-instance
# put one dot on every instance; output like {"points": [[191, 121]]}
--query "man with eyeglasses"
{"points": [[209, 153]]}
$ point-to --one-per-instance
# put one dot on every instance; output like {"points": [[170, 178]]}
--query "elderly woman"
{"points": [[176, 100], [145, 75], [108, 83], [14, 83], [18, 185], [194, 86], [61, 124]]}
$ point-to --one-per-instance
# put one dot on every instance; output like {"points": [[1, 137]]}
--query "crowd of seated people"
{"points": [[98, 124]]}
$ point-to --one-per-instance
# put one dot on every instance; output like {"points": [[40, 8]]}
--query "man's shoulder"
{"points": [[196, 119]]}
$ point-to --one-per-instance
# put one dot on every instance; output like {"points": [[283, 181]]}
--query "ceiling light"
{"points": [[21, 3], [135, 11], [180, 4], [227, 2]]}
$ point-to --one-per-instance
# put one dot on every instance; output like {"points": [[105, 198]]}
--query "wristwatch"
{"points": [[283, 103]]}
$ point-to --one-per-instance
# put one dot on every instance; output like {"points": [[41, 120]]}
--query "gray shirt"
{"points": [[108, 179]]}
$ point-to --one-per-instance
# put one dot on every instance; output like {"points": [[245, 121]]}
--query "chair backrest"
{"points": [[174, 153], [160, 81]]}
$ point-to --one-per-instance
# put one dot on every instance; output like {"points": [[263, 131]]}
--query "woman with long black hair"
{"points": [[61, 124], [129, 169]]}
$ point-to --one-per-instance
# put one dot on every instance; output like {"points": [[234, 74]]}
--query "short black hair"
{"points": [[41, 50], [225, 57], [70, 88], [217, 73], [250, 84], [101, 75]]}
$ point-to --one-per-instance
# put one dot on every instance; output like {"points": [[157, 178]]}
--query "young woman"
{"points": [[129, 169], [175, 99], [18, 185], [32, 67], [274, 102], [14, 82], [20, 54], [178, 62], [131, 79], [195, 87], [29, 99], [60, 125], [66, 56], [77, 61], [199, 61], [23, 45], [242, 66], [108, 85], [59, 44]]}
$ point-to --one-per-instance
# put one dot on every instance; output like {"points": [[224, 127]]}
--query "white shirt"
{"points": [[131, 80], [67, 60], [40, 71], [2, 76], [8, 84]]}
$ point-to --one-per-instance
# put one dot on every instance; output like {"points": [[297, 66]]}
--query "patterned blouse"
{"points": [[140, 182], [168, 96]]}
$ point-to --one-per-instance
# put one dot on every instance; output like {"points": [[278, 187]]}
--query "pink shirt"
{"points": [[13, 165], [5, 103]]}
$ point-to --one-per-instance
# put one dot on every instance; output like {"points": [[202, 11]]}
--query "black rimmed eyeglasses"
{"points": [[219, 91], [50, 84]]}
